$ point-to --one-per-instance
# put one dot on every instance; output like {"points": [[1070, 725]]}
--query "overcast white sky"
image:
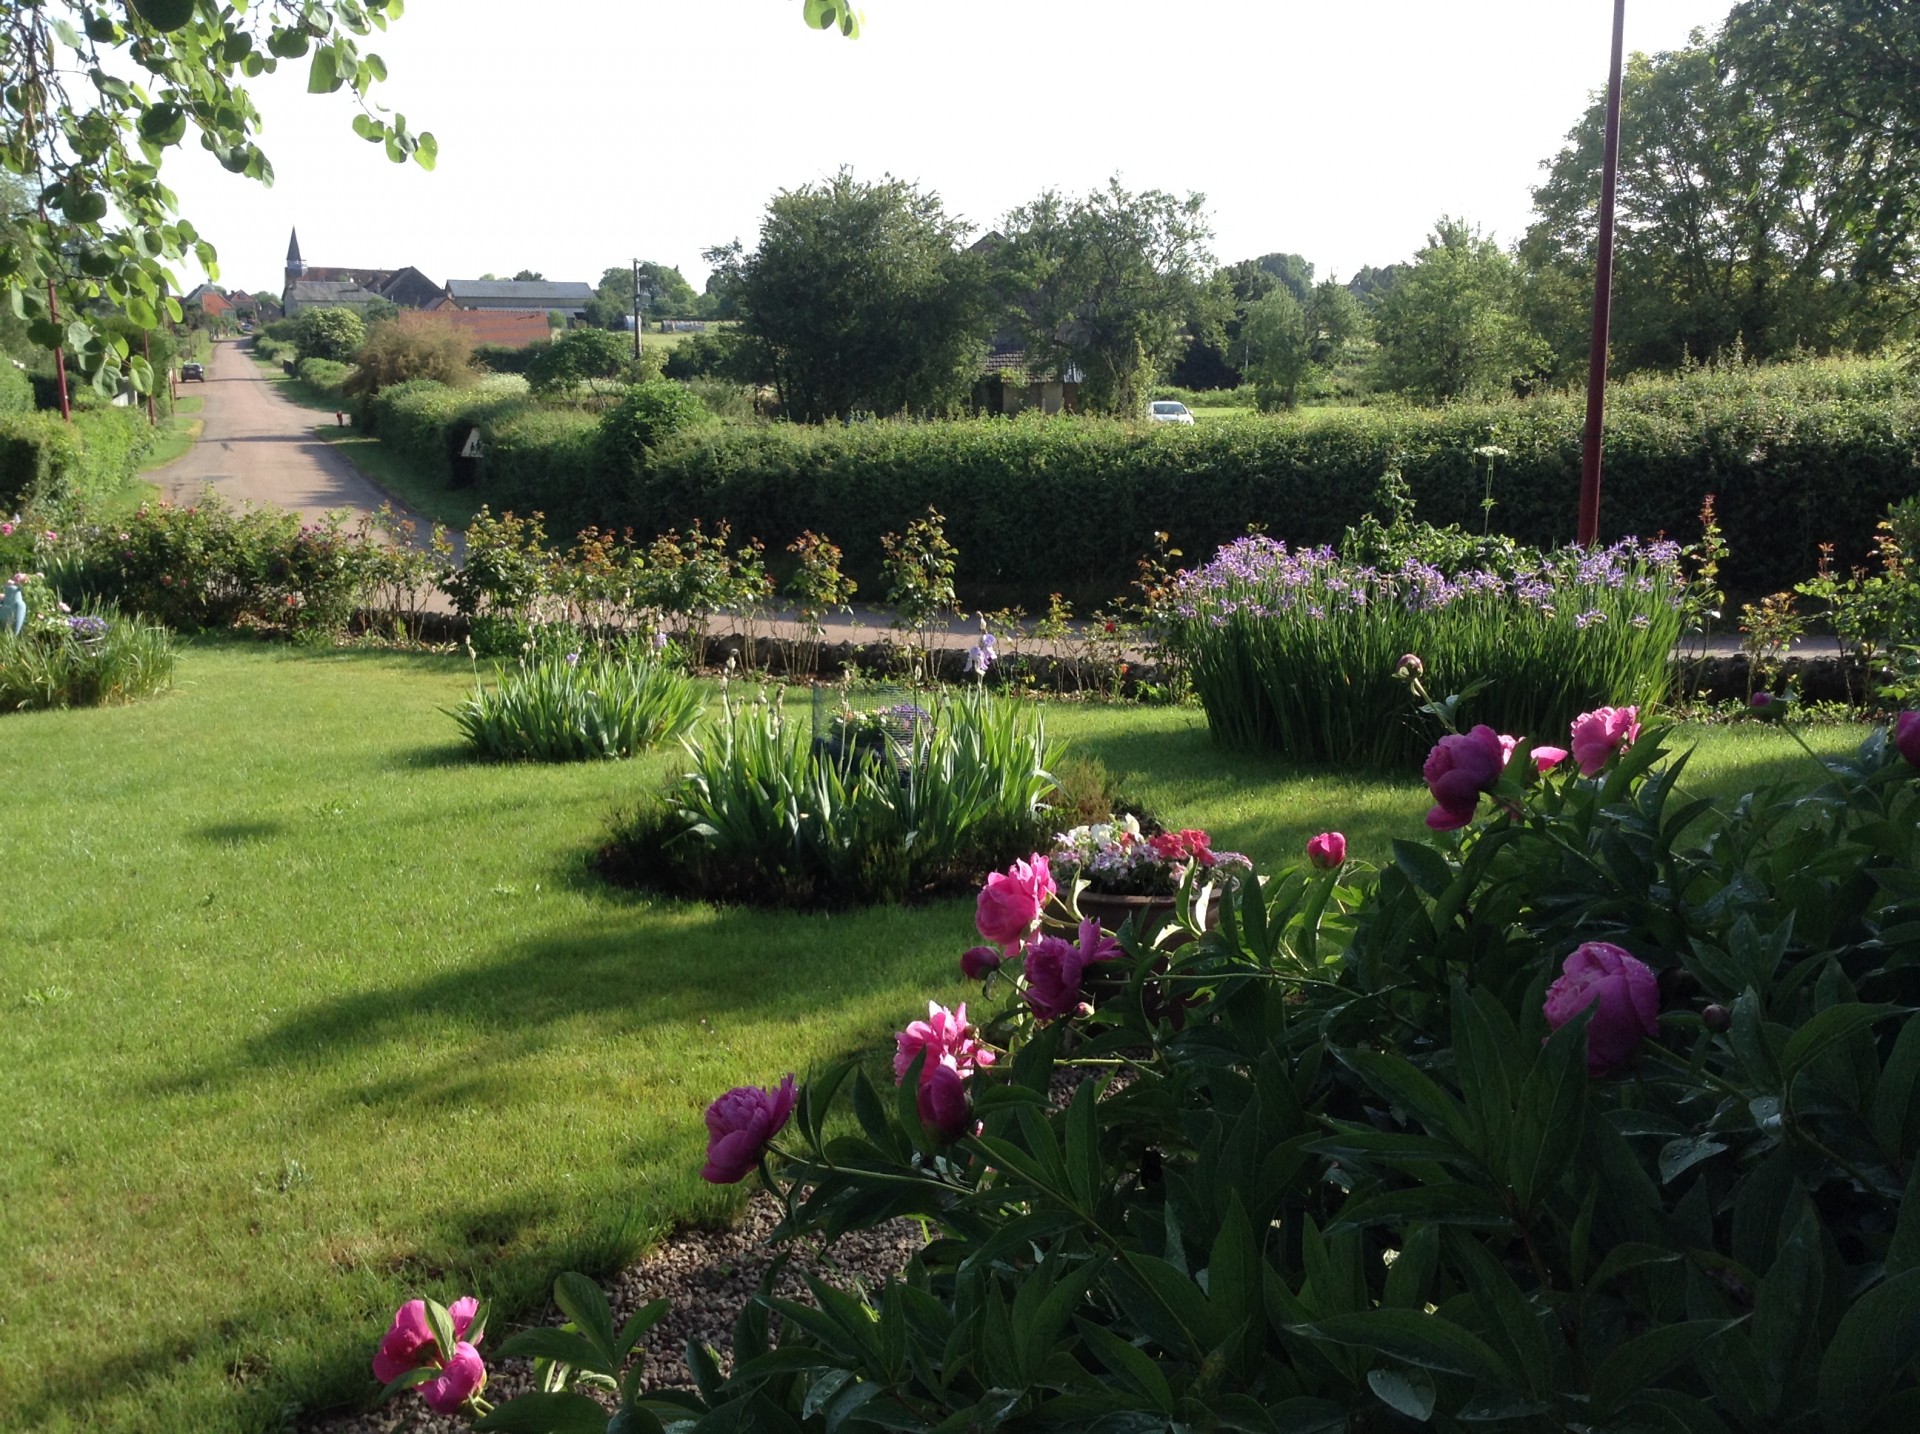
{"points": [[578, 134]]}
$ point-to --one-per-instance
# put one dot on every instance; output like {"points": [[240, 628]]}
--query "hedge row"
{"points": [[48, 463], [1796, 456], [16, 389]]}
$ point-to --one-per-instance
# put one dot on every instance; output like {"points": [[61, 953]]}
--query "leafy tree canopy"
{"points": [[93, 95], [1453, 326], [1769, 190], [859, 298], [334, 334], [1109, 285], [591, 359], [529, 276]]}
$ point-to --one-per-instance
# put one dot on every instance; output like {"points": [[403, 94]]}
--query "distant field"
{"points": [[652, 340]]}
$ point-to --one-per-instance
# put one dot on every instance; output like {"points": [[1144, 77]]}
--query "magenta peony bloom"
{"points": [[739, 1125], [1056, 967], [1906, 736], [942, 1102], [1625, 999], [979, 962], [1011, 902], [1458, 769], [408, 1342], [1545, 759], [461, 1377], [1409, 666], [1598, 734], [1760, 699], [1327, 850], [946, 1038]]}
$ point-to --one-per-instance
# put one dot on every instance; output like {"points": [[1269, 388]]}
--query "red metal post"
{"points": [[146, 352], [1589, 532], [59, 355]]}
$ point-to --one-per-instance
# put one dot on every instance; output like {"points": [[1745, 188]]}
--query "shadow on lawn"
{"points": [[274, 1357], [691, 969]]}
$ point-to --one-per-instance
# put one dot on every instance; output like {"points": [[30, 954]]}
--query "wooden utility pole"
{"points": [[1589, 530], [636, 310]]}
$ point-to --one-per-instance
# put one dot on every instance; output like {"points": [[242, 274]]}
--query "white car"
{"points": [[1167, 410]]}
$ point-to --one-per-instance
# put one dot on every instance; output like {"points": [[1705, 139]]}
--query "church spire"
{"points": [[296, 266]]}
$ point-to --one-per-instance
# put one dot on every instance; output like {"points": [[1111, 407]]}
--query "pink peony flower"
{"points": [[739, 1125], [1459, 768], [1327, 851], [1598, 734], [408, 1342], [1011, 902], [979, 962], [1545, 759], [946, 1038], [1625, 999], [1055, 969], [461, 1377], [942, 1102], [1409, 666], [6, 530], [1906, 736]]}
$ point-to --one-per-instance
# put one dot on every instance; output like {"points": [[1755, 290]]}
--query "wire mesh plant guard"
{"points": [[880, 722]]}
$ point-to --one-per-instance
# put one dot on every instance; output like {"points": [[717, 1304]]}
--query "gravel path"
{"points": [[257, 447]]}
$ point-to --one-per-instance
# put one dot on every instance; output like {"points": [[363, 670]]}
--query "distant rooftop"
{"points": [[542, 292]]}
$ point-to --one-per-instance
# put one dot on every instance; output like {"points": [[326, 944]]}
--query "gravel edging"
{"points": [[707, 1276]]}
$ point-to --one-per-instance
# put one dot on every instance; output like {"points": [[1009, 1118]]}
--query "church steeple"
{"points": [[295, 265]]}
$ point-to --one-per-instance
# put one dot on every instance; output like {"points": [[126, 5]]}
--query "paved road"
{"points": [[256, 447]]}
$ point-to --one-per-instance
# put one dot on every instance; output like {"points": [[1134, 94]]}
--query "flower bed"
{"points": [[1569, 1122], [895, 804], [52, 656], [1296, 651]]}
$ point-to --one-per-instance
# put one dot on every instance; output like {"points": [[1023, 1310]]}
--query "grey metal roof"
{"points": [[544, 293], [311, 291]]}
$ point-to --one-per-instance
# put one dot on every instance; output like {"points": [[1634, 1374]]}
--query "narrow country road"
{"points": [[256, 447]]}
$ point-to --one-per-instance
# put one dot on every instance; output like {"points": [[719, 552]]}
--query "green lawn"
{"points": [[306, 1013], [177, 434]]}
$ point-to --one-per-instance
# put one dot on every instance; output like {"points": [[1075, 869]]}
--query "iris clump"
{"points": [[580, 707], [769, 815], [1296, 651], [91, 658]]}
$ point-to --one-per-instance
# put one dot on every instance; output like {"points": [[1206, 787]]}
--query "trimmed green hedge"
{"points": [[1796, 455], [16, 389], [47, 463], [324, 377]]}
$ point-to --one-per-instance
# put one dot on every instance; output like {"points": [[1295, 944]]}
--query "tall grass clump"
{"points": [[898, 803], [1296, 651], [89, 658], [579, 707]]}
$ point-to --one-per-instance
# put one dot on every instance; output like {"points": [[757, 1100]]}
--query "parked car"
{"points": [[192, 371], [1167, 410]]}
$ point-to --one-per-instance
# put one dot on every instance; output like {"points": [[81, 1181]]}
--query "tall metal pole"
{"points": [[636, 310], [1589, 532]]}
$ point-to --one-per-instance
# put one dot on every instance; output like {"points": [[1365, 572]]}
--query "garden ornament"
{"points": [[13, 609]]}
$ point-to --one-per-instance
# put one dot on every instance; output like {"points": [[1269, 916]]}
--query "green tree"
{"points": [[859, 298], [1453, 326], [1278, 347], [1107, 286], [669, 295], [1291, 271], [1769, 188], [529, 276], [581, 359], [1335, 320], [329, 334], [93, 96]]}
